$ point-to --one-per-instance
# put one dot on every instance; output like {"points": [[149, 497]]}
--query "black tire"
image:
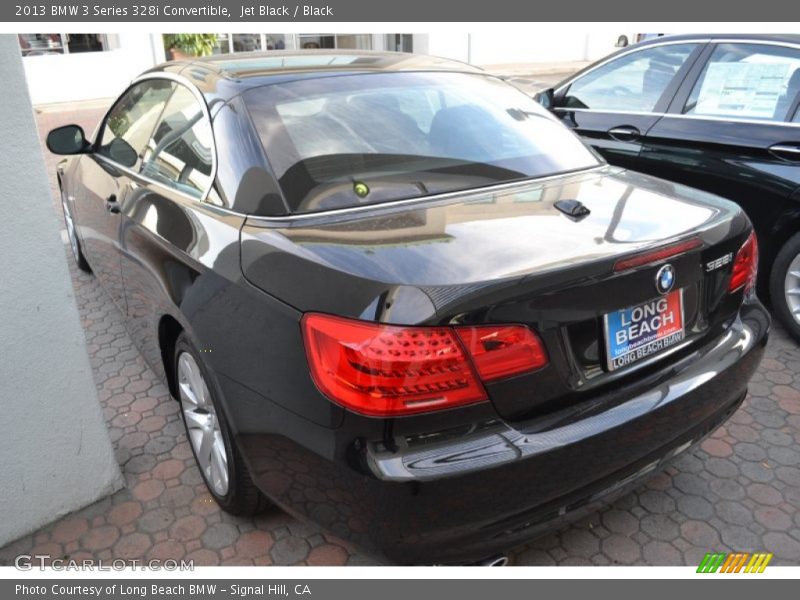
{"points": [[75, 243], [242, 497], [81, 262], [777, 280]]}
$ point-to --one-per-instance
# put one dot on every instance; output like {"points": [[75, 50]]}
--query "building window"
{"points": [[250, 42], [276, 41], [39, 44], [43, 44], [246, 42], [86, 42], [223, 45], [400, 42], [313, 42], [358, 41], [349, 41]]}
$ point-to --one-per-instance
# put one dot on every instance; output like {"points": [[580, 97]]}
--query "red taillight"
{"points": [[745, 266], [388, 370], [384, 370], [502, 351]]}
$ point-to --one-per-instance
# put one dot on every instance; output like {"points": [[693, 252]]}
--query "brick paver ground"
{"points": [[739, 491]]}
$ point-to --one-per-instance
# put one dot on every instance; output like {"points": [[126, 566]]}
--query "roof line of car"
{"points": [[218, 69], [672, 40], [323, 214]]}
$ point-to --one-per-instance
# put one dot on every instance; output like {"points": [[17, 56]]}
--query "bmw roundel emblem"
{"points": [[665, 279]]}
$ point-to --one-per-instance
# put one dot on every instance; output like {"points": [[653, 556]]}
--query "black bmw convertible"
{"points": [[395, 296]]}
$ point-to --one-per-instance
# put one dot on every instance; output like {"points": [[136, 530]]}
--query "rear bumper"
{"points": [[497, 485]]}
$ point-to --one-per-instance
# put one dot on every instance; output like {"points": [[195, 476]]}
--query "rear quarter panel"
{"points": [[181, 258]]}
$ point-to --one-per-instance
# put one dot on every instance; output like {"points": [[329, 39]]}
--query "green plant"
{"points": [[196, 44]]}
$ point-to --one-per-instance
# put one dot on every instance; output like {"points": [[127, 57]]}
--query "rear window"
{"points": [[343, 141]]}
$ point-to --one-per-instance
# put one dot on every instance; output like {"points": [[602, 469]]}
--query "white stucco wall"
{"points": [[446, 44], [55, 454], [63, 77], [539, 47]]}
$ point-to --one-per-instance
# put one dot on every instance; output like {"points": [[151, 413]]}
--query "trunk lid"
{"points": [[510, 255]]}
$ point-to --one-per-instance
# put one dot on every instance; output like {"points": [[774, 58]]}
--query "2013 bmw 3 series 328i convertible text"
{"points": [[396, 297]]}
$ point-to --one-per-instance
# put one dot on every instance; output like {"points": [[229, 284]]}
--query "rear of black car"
{"points": [[470, 350]]}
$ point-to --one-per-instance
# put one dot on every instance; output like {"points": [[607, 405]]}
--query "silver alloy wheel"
{"points": [[73, 240], [791, 288], [202, 424]]}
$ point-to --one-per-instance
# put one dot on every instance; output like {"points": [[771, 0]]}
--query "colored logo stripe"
{"points": [[734, 562], [758, 563], [711, 562]]}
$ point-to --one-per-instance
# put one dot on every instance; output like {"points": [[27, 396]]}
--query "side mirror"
{"points": [[121, 152], [68, 139], [546, 98], [622, 41]]}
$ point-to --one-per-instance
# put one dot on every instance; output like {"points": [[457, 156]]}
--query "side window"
{"points": [[633, 82], [129, 124], [750, 81], [179, 152]]}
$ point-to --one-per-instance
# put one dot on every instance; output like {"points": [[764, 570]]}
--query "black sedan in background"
{"points": [[720, 113], [395, 296]]}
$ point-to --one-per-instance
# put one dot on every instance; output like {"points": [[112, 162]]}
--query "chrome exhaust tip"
{"points": [[500, 560]]}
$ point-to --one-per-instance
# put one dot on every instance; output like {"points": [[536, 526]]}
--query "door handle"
{"points": [[786, 151], [111, 204], [624, 133]]}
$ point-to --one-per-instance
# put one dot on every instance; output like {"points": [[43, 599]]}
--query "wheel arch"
{"points": [[168, 331], [786, 225]]}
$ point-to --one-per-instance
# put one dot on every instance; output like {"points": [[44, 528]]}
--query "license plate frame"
{"points": [[619, 356]]}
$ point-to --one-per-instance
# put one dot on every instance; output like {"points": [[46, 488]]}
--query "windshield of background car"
{"points": [[342, 141]]}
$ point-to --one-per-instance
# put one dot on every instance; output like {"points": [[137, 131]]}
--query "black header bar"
{"points": [[359, 11]]}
